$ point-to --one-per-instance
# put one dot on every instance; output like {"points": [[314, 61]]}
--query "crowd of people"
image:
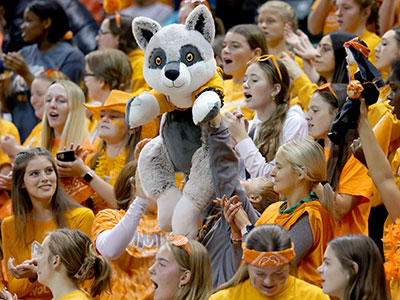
{"points": [[300, 211]]}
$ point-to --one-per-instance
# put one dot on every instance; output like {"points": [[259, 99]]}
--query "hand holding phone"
{"points": [[66, 155]]}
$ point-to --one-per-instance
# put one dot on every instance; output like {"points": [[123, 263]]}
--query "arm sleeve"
{"points": [[112, 243], [302, 237], [302, 89], [253, 161]]}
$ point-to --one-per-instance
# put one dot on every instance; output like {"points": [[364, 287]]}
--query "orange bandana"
{"points": [[360, 48], [269, 259]]}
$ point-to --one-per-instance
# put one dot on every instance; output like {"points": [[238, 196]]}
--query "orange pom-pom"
{"points": [[354, 89], [110, 6], [391, 242]]}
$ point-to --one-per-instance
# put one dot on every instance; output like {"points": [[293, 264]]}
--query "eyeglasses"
{"points": [[327, 86], [85, 74], [264, 58], [181, 241], [102, 32]]}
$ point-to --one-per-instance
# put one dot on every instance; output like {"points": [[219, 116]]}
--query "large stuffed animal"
{"points": [[179, 65]]}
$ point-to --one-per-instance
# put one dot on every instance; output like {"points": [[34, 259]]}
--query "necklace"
{"points": [[108, 168], [289, 211]]}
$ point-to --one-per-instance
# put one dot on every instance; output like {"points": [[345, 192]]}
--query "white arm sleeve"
{"points": [[112, 243]]}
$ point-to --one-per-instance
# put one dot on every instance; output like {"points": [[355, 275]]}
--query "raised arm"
{"points": [[378, 166]]}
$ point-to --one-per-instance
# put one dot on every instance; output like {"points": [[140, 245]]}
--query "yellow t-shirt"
{"points": [[79, 218], [372, 40], [130, 276], [7, 128], [33, 140], [75, 295], [136, 58], [295, 289], [234, 100]]}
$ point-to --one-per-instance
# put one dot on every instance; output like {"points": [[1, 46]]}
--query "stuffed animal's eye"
{"points": [[189, 57], [158, 61]]}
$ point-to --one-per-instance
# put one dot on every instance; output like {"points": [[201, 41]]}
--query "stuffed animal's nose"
{"points": [[172, 70]]}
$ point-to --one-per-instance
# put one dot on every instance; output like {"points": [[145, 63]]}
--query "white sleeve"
{"points": [[112, 243], [295, 126], [253, 160]]}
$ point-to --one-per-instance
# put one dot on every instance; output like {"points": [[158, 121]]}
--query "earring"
{"points": [[181, 286]]}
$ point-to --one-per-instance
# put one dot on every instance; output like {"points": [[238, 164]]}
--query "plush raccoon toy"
{"points": [[179, 65]]}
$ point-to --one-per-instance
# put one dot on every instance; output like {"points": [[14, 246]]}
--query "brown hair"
{"points": [[266, 237], [81, 262], [122, 187], [373, 18], [198, 263], [21, 202], [369, 282], [268, 136], [254, 36], [112, 66], [126, 41]]}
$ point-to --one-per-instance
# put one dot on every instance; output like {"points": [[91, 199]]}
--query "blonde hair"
{"points": [[81, 262], [198, 263], [286, 11], [307, 157], [266, 190], [75, 129]]}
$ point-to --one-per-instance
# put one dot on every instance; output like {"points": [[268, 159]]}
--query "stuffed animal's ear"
{"points": [[200, 19], [143, 30]]}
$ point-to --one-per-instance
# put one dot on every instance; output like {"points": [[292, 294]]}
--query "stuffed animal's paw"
{"points": [[141, 109], [206, 107]]}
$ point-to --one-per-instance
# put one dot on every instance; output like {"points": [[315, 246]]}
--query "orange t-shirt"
{"points": [[130, 276], [331, 23], [322, 226], [355, 181]]}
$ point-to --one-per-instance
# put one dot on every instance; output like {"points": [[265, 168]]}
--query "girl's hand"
{"points": [[24, 270], [291, 65], [300, 43], [236, 126], [6, 181], [230, 209], [290, 37], [76, 168], [8, 145], [16, 63], [6, 295]]}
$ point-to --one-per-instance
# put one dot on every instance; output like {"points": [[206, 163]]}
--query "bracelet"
{"points": [[236, 240]]}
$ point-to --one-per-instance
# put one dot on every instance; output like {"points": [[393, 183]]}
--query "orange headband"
{"points": [[269, 259], [327, 85], [265, 58], [360, 48], [181, 241]]}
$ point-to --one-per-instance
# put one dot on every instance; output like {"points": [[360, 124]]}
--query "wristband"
{"points": [[236, 240]]}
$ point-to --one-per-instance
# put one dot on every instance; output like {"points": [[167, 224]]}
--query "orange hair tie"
{"points": [[360, 48], [269, 259], [327, 86], [68, 35], [118, 19], [181, 241]]}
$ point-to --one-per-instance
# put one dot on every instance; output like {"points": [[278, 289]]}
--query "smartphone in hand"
{"points": [[66, 155]]}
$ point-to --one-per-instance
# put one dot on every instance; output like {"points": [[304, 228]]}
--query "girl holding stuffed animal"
{"points": [[241, 44], [266, 90], [120, 236]]}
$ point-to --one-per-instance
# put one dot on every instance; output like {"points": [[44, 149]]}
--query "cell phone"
{"points": [[67, 155]]}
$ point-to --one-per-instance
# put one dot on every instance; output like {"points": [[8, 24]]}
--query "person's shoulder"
{"points": [[81, 211], [222, 294], [295, 112], [69, 49], [308, 290], [110, 213], [8, 221], [28, 50]]}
